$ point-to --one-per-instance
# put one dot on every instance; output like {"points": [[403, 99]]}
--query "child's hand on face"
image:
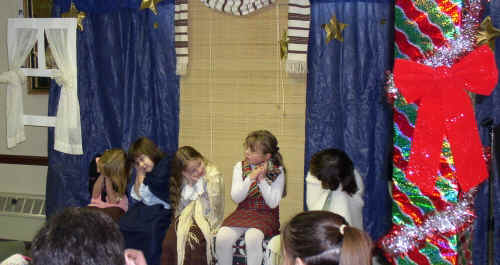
{"points": [[140, 170], [258, 172], [261, 176], [139, 177]]}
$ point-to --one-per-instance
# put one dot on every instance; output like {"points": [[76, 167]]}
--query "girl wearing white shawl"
{"points": [[197, 195]]}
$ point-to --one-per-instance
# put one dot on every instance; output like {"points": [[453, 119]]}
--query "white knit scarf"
{"points": [[194, 210]]}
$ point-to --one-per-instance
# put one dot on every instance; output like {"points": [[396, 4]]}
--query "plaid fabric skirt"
{"points": [[265, 220]]}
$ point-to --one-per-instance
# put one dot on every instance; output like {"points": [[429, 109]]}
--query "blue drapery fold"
{"points": [[488, 108], [346, 106], [127, 88]]}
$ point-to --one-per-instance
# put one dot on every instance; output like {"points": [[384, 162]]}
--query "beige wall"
{"points": [[236, 84], [20, 178]]}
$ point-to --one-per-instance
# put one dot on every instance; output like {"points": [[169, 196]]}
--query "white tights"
{"points": [[228, 235]]}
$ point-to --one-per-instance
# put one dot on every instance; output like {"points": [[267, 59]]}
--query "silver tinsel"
{"points": [[457, 217], [453, 219], [447, 55]]}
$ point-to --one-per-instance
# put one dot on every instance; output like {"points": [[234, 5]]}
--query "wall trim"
{"points": [[24, 160]]}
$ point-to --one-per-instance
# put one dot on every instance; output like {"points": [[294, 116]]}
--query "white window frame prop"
{"points": [[63, 47]]}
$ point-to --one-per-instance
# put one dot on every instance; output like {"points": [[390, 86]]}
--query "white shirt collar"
{"points": [[193, 192]]}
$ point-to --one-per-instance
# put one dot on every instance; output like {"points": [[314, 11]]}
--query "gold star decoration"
{"points": [[73, 12], [487, 33], [334, 29], [284, 45], [150, 4]]}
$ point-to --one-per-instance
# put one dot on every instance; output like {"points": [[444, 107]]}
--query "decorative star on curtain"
{"points": [[487, 33]]}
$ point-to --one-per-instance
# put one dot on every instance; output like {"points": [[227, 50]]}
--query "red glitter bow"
{"points": [[445, 110]]}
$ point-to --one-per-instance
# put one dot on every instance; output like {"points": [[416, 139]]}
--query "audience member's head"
{"points": [[321, 238], [78, 236], [333, 167]]}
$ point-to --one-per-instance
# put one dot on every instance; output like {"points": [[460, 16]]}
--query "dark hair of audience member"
{"points": [[333, 167], [316, 238], [78, 236]]}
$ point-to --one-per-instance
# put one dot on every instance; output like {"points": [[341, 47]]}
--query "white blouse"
{"points": [[350, 207], [209, 190], [147, 197], [271, 193]]}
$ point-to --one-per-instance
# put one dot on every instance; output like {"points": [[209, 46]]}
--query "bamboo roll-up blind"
{"points": [[235, 84]]}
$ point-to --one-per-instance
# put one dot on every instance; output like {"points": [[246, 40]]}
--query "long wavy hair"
{"points": [[113, 164], [178, 165], [268, 144]]}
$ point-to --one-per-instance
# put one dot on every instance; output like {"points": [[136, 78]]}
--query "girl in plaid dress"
{"points": [[258, 186]]}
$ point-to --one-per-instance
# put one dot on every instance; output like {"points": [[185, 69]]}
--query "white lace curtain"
{"points": [[68, 133], [61, 35], [20, 41]]}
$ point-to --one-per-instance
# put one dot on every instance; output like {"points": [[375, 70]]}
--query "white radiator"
{"points": [[21, 215]]}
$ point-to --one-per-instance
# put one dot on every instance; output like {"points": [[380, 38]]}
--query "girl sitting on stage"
{"points": [[258, 186], [197, 196]]}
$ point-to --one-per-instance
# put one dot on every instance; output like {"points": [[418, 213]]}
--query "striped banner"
{"points": [[299, 19], [237, 7], [181, 36]]}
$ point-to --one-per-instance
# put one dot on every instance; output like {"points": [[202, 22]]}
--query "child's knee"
{"points": [[275, 244], [253, 235], [226, 235]]}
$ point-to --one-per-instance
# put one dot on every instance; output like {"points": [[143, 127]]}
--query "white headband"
{"points": [[341, 229]]}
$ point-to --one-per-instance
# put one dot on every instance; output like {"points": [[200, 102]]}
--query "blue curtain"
{"points": [[488, 108], [127, 88], [346, 106]]}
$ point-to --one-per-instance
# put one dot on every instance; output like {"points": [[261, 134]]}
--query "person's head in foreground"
{"points": [[321, 238], [81, 236]]}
